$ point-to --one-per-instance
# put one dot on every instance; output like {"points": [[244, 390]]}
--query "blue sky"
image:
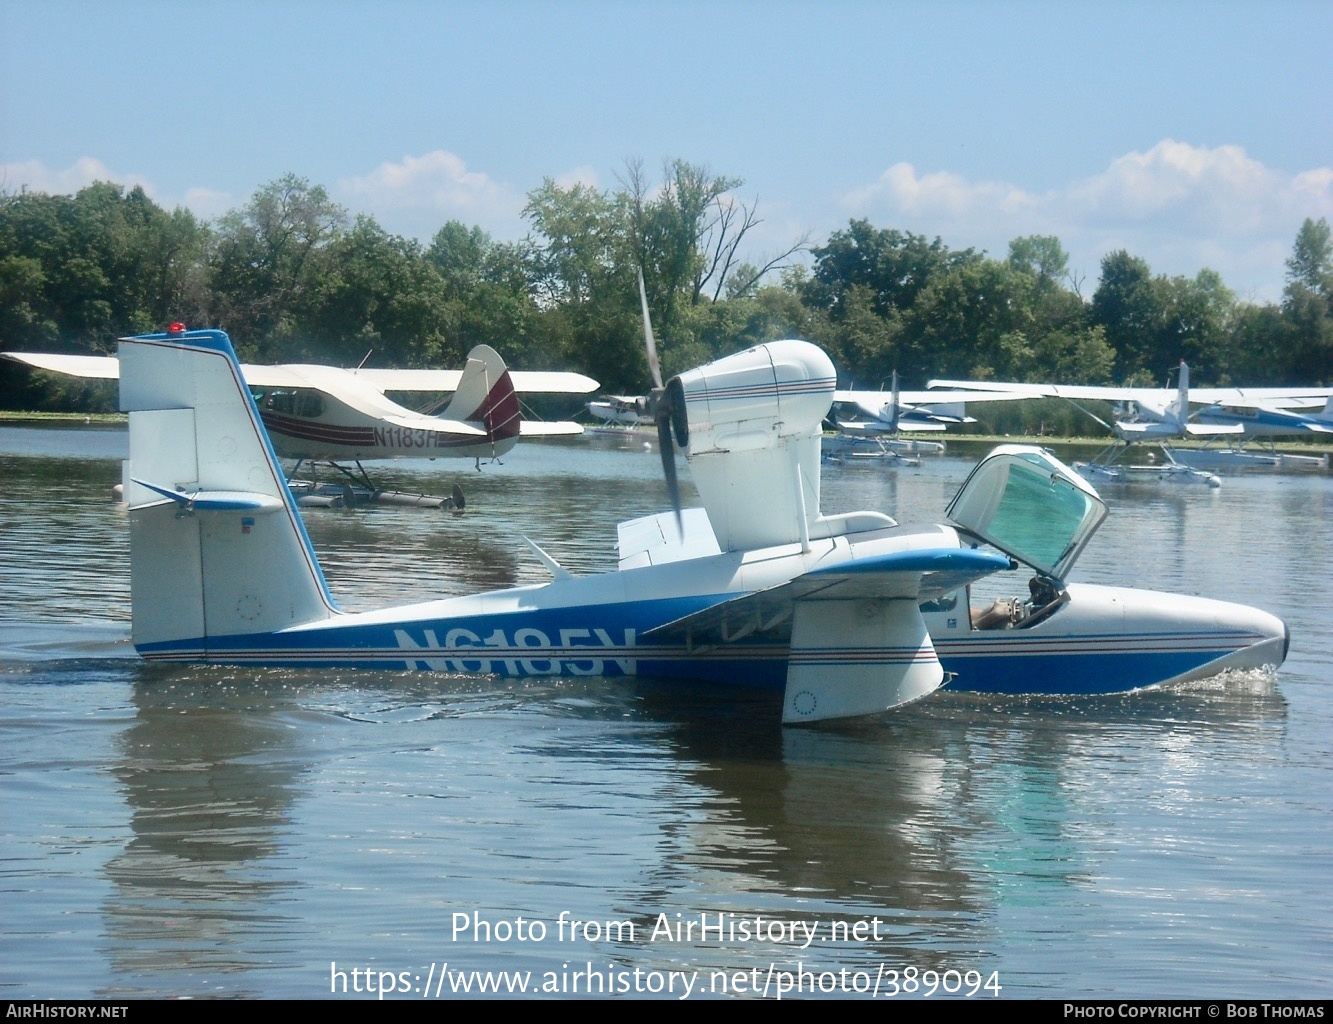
{"points": [[1192, 134]]}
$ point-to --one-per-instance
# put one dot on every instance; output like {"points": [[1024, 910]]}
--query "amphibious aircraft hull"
{"points": [[568, 628]]}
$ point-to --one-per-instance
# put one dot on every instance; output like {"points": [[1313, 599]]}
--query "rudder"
{"points": [[217, 547], [486, 395]]}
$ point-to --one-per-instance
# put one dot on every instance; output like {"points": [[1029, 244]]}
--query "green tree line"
{"points": [[293, 277]]}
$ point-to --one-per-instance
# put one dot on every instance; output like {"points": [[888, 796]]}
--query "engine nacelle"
{"points": [[751, 432], [754, 399]]}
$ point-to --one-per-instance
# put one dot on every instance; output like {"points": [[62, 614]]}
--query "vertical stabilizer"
{"points": [[217, 547], [486, 395], [1178, 412]]}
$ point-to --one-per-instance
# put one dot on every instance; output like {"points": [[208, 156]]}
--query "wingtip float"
{"points": [[849, 614]]}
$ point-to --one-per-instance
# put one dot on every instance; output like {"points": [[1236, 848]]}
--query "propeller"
{"points": [[667, 404]]}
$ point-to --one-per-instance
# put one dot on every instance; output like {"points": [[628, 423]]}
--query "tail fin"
{"points": [[486, 395], [1179, 409], [897, 408], [217, 547]]}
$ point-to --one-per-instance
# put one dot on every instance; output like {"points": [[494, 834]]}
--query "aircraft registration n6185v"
{"points": [[758, 587]]}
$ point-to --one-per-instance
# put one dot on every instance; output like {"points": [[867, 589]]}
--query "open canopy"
{"points": [[1030, 505]]}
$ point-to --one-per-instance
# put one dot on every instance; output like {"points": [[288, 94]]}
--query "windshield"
{"points": [[1031, 506]]}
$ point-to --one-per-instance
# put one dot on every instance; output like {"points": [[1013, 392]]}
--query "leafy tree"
{"points": [[265, 263], [1310, 265], [966, 322], [1195, 317], [1127, 308], [1307, 304], [377, 294], [894, 265]]}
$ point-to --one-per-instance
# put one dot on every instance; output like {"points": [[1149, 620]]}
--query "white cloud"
{"points": [[940, 193], [35, 176], [418, 194], [582, 175], [208, 203], [1178, 206]]}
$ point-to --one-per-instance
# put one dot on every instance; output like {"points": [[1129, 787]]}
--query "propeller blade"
{"points": [[654, 367], [668, 450]]}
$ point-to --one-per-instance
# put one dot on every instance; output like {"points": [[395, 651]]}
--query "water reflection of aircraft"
{"points": [[326, 413], [757, 588]]}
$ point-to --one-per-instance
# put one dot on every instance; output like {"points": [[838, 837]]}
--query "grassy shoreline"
{"points": [[118, 419], [14, 418]]}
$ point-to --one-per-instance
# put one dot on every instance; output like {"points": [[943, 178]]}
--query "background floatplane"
{"points": [[1161, 415], [758, 587], [328, 415]]}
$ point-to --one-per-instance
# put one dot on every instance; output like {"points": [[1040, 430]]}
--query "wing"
{"points": [[525, 381], [1232, 396], [96, 367], [919, 575], [294, 375], [1079, 392], [927, 398], [857, 642]]}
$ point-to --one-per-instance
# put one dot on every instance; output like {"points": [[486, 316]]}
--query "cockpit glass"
{"points": [[1029, 505]]}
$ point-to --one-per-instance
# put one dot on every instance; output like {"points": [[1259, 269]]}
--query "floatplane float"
{"points": [[1107, 467], [843, 449], [329, 416], [847, 614]]}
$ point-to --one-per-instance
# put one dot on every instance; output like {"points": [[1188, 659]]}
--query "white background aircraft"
{"points": [[1275, 418], [888, 412], [324, 413], [1157, 413]]}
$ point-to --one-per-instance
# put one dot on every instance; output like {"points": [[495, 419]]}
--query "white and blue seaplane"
{"points": [[848, 614]]}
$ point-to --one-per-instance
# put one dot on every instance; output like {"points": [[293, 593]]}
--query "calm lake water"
{"points": [[178, 831]]}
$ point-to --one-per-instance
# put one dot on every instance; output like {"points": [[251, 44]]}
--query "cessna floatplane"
{"points": [[328, 415], [871, 423], [1160, 415], [758, 587]]}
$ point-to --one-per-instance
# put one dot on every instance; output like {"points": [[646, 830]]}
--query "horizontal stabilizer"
{"points": [[1213, 429], [548, 428], [217, 501]]}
